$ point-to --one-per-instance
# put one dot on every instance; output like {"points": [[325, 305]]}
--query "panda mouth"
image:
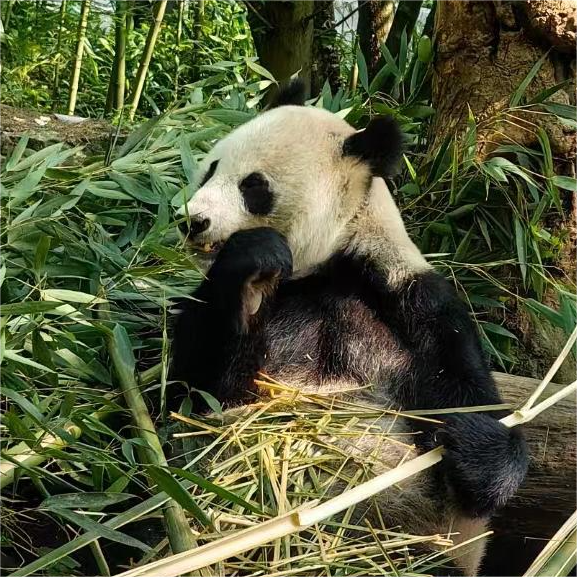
{"points": [[206, 248]]}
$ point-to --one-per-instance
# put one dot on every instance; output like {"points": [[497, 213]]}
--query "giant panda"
{"points": [[314, 280]]}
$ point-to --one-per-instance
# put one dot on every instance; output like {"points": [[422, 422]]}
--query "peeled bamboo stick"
{"points": [[563, 545]]}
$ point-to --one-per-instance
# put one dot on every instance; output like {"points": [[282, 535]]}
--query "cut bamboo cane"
{"points": [[82, 25], [177, 527], [22, 457], [553, 370]]}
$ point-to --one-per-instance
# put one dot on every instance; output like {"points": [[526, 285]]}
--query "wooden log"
{"points": [[547, 497]]}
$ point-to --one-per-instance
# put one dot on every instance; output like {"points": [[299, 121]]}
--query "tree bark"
{"points": [[484, 51], [375, 21], [547, 497], [283, 35], [325, 57]]}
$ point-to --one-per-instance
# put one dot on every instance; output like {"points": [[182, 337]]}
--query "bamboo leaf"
{"points": [[91, 501], [36, 158], [71, 296], [23, 403], [521, 244], [172, 487], [554, 317], [363, 72], [565, 182], [519, 93], [213, 488], [16, 154], [99, 529], [189, 163], [498, 330], [260, 70], [28, 307]]}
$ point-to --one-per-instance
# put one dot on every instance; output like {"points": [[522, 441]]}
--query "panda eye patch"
{"points": [[210, 172], [257, 194]]}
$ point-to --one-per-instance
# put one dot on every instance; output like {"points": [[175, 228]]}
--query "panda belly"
{"points": [[327, 342]]}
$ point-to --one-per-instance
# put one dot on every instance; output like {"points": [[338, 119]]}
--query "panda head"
{"points": [[300, 170]]}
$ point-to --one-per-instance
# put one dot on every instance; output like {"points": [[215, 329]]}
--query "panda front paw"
{"points": [[261, 251], [484, 463], [254, 260]]}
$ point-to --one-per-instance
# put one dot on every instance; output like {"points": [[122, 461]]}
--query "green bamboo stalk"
{"points": [[178, 39], [198, 7], [56, 80], [120, 53], [159, 9], [110, 92], [82, 25], [178, 530], [180, 19], [8, 14]]}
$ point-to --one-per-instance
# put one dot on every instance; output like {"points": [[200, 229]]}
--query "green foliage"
{"points": [[80, 233], [30, 54]]}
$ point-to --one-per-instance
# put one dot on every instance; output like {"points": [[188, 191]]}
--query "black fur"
{"points": [[194, 226], [380, 144], [209, 173], [292, 93], [257, 194], [213, 349], [484, 461], [316, 326]]}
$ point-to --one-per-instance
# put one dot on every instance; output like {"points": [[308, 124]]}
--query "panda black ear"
{"points": [[294, 92], [380, 144]]}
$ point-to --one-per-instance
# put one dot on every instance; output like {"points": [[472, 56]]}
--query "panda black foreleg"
{"points": [[218, 343], [485, 462]]}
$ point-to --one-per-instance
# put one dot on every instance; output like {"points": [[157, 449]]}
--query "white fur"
{"points": [[299, 150]]}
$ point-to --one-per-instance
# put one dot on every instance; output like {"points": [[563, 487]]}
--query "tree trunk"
{"points": [[375, 21], [547, 497], [283, 35], [325, 56], [485, 50]]}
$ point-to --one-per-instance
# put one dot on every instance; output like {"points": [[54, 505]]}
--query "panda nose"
{"points": [[194, 227]]}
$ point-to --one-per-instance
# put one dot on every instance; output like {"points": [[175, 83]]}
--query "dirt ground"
{"points": [[45, 128]]}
